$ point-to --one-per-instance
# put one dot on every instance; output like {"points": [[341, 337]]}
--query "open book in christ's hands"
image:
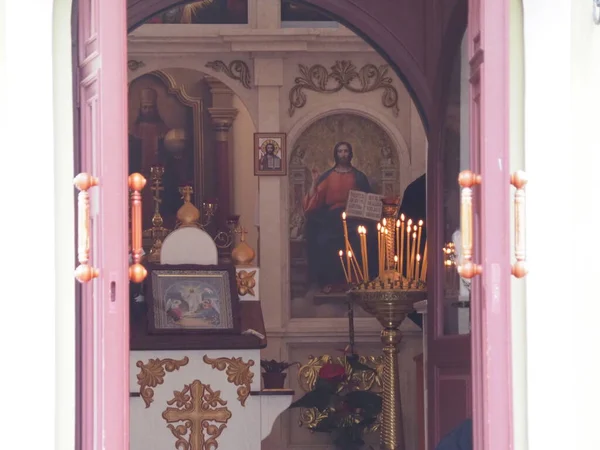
{"points": [[363, 205]]}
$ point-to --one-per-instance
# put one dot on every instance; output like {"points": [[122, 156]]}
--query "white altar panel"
{"points": [[150, 431]]}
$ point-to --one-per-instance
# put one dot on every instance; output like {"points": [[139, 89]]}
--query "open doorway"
{"points": [[154, 33]]}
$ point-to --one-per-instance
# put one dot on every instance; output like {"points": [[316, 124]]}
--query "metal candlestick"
{"points": [[390, 307]]}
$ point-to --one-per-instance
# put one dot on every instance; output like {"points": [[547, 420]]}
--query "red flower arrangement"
{"points": [[349, 412]]}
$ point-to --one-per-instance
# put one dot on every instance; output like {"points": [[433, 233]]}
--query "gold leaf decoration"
{"points": [[246, 282], [153, 373], [238, 373], [343, 75], [197, 406], [359, 380], [236, 70]]}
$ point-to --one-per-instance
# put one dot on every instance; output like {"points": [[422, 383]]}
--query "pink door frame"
{"points": [[105, 348], [491, 364], [101, 76]]}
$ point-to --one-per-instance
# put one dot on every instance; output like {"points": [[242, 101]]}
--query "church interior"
{"points": [[255, 128]]}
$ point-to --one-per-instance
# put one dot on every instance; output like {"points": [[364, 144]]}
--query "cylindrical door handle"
{"points": [[466, 180], [519, 180], [137, 272], [84, 272]]}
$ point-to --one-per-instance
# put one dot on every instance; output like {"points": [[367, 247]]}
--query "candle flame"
{"points": [[418, 257], [402, 217], [384, 222], [415, 228], [378, 227], [414, 235], [344, 215], [395, 258], [421, 223], [349, 253], [397, 223], [409, 223], [341, 253]]}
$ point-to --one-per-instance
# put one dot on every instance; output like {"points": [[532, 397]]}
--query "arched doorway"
{"points": [[423, 63]]}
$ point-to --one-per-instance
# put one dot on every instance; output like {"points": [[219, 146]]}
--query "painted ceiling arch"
{"points": [[415, 37]]}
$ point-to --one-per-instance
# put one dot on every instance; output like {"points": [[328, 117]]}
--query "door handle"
{"points": [[137, 272], [84, 272], [466, 180], [519, 180]]}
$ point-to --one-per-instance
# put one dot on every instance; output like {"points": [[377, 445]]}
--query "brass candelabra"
{"points": [[401, 282]]}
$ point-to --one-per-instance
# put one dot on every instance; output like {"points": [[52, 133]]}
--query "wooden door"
{"points": [[469, 351], [102, 223]]}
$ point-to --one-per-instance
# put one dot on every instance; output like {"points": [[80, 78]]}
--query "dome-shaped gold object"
{"points": [[175, 141], [188, 215], [243, 254]]}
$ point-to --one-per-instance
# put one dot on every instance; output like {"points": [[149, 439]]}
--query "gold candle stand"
{"points": [[390, 307]]}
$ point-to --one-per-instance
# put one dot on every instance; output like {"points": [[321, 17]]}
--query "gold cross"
{"points": [[242, 232], [194, 408]]}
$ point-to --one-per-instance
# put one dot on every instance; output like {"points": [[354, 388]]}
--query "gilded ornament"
{"points": [[343, 75], [236, 70], [153, 373], [246, 282], [238, 373], [358, 380], [196, 406], [242, 254]]}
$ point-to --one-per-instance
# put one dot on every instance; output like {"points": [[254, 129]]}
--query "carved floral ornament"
{"points": [[343, 75], [238, 373], [246, 282], [236, 70], [153, 373], [196, 406]]}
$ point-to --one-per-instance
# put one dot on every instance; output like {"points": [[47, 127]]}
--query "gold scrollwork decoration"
{"points": [[356, 380], [236, 70], [246, 282], [153, 373], [134, 65], [197, 406], [238, 373], [343, 75]]}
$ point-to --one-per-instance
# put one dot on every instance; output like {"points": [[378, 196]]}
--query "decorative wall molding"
{"points": [[153, 373], [134, 64], [238, 373], [343, 75], [236, 70], [196, 407]]}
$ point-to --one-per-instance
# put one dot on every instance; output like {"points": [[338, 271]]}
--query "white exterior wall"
{"points": [[562, 99]]}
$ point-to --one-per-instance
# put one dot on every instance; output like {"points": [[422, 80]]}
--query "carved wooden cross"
{"points": [[196, 411]]}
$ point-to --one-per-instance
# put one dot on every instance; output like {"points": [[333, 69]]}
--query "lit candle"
{"points": [[354, 266], [419, 238], [417, 273], [346, 242], [424, 266], [401, 253], [413, 253], [397, 242], [396, 261], [408, 230], [341, 253], [385, 242], [365, 253], [379, 249]]}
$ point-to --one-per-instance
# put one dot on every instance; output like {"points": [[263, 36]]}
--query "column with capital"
{"points": [[222, 119]]}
